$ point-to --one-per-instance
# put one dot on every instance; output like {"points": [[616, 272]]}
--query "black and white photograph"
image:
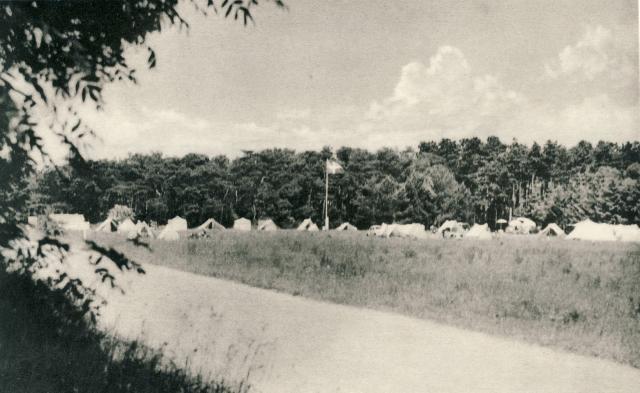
{"points": [[337, 196]]}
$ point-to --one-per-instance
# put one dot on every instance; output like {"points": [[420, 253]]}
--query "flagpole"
{"points": [[326, 195]]}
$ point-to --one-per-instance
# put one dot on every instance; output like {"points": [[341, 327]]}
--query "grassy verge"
{"points": [[45, 347], [579, 296]]}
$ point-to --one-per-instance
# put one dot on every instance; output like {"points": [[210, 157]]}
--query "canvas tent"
{"points": [[267, 225], [172, 229], [70, 222], [211, 224], [169, 234], [144, 230], [374, 230], [480, 232], [177, 223], [308, 225], [589, 230], [108, 225], [552, 230], [126, 226], [242, 224], [451, 228], [416, 231], [521, 225], [627, 233], [345, 226]]}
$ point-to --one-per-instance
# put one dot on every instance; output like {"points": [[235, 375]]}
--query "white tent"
{"points": [[627, 233], [267, 225], [126, 226], [242, 224], [308, 225], [589, 230], [169, 234], [480, 232], [144, 230], [70, 222], [108, 225], [451, 228], [345, 226], [416, 231], [177, 223], [374, 230], [521, 225], [211, 224], [552, 230]]}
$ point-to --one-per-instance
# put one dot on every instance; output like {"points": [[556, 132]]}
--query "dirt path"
{"points": [[291, 344]]}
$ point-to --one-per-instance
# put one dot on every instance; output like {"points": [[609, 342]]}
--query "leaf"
{"points": [[152, 58]]}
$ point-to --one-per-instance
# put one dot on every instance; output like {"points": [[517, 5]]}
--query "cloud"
{"points": [[598, 53], [443, 98], [596, 118]]}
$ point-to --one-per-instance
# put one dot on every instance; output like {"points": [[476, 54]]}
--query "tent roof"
{"points": [[552, 229]]}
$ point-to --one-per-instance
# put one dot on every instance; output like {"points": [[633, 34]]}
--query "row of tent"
{"points": [[178, 224], [584, 230]]}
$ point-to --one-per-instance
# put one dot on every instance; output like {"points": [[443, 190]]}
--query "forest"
{"points": [[469, 180]]}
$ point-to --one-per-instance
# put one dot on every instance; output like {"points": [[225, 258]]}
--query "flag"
{"points": [[333, 167]]}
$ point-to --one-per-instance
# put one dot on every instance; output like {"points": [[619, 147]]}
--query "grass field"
{"points": [[579, 296]]}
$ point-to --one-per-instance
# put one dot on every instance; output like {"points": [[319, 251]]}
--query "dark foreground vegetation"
{"points": [[47, 346], [579, 296], [470, 180]]}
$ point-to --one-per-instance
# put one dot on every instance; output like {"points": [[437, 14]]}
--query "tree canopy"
{"points": [[470, 180]]}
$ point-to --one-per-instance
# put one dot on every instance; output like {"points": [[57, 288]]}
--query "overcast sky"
{"points": [[382, 73]]}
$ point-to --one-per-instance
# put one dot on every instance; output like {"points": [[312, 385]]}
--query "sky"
{"points": [[380, 73]]}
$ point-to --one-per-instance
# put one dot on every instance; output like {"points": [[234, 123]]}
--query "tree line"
{"points": [[469, 180]]}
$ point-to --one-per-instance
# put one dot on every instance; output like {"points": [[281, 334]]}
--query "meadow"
{"points": [[578, 296]]}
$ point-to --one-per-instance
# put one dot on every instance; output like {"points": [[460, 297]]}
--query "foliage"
{"points": [[54, 55], [48, 346], [469, 180]]}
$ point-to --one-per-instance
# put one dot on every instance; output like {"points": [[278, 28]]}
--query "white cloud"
{"points": [[444, 98], [598, 53]]}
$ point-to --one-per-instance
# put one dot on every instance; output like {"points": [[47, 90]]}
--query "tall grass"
{"points": [[46, 347], [579, 296]]}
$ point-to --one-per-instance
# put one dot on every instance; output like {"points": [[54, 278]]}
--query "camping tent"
{"points": [[177, 223], [126, 226], [242, 224], [416, 231], [267, 225], [144, 230], [451, 228], [552, 230], [521, 225], [169, 234], [174, 225], [70, 222], [480, 232], [108, 225], [627, 233], [211, 224], [374, 230], [308, 225], [589, 230], [345, 226]]}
